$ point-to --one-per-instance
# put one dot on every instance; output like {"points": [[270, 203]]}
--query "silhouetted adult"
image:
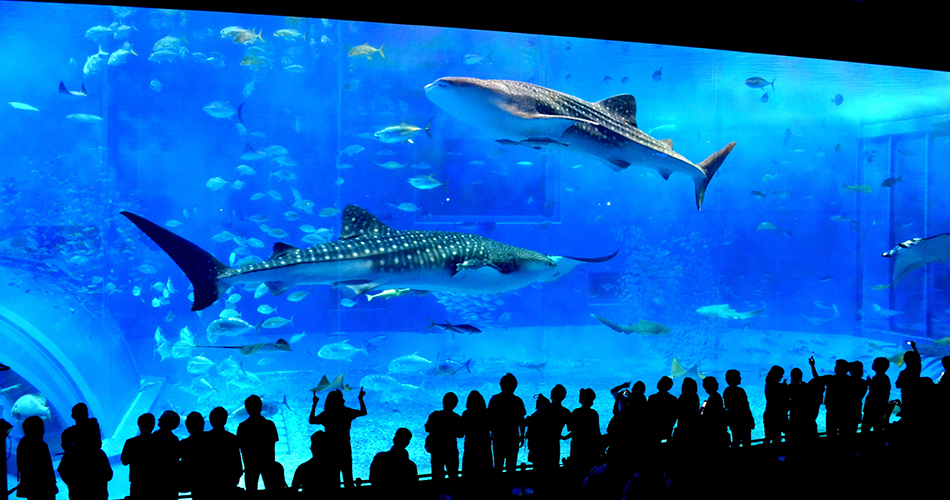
{"points": [[547, 425], [908, 381], [804, 403], [337, 419], [713, 419], [256, 437], [877, 409], [392, 473], [584, 432], [685, 436], [194, 461], [316, 477], [476, 455], [506, 414], [836, 395], [85, 467], [857, 388], [139, 455], [33, 461], [444, 428], [662, 410], [775, 417], [224, 468], [167, 454]]}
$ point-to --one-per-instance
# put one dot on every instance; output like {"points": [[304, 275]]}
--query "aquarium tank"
{"points": [[416, 210]]}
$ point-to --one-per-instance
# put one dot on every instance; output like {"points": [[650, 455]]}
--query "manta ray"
{"points": [[370, 255], [523, 113], [917, 253]]}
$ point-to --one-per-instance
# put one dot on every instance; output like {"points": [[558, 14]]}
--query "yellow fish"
{"points": [[860, 188], [365, 50], [247, 36], [880, 287]]}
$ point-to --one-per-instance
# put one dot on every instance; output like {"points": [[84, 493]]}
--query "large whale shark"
{"points": [[539, 117], [368, 255]]}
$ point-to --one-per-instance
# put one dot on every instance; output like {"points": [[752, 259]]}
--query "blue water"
{"points": [[83, 291]]}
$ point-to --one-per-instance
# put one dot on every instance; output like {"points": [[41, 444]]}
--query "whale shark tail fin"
{"points": [[709, 166], [201, 267]]}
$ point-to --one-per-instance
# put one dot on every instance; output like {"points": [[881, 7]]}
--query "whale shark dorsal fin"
{"points": [[623, 105], [359, 222], [280, 249]]}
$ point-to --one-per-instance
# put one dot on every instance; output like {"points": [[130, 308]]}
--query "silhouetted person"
{"points": [[506, 414], [804, 403], [33, 461], [662, 410], [194, 462], [167, 454], [908, 381], [85, 467], [138, 454], [444, 428], [316, 476], [857, 388], [625, 431], [836, 395], [584, 432], [775, 417], [224, 468], [256, 437], [877, 409], [686, 436], [336, 419], [476, 456], [392, 473], [713, 419], [547, 425], [531, 430], [738, 414]]}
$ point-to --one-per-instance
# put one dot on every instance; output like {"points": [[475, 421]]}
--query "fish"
{"points": [[63, 91], [155, 85], [94, 62], [643, 326], [451, 367], [411, 363], [369, 255], [247, 36], [388, 294], [605, 130], [757, 82], [837, 99], [276, 322], [269, 408], [290, 34], [759, 194], [880, 287], [227, 327], [22, 106], [326, 385], [251, 349], [400, 132], [220, 109], [890, 181], [477, 58], [658, 75], [724, 311], [678, 370], [860, 188], [30, 405], [365, 50], [765, 97], [766, 226], [916, 253], [84, 118], [340, 350], [119, 56]]}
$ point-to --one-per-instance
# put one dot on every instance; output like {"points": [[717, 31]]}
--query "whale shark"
{"points": [[369, 255], [523, 113], [916, 253]]}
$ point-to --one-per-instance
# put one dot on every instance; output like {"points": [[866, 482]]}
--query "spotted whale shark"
{"points": [[369, 255], [539, 117]]}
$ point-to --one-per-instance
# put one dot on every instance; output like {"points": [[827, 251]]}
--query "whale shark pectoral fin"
{"points": [[358, 287], [593, 259], [472, 265], [664, 173], [278, 287]]}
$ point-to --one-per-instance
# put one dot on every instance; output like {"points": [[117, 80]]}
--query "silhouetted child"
{"points": [[167, 454], [584, 432], [738, 414], [444, 428], [194, 463], [316, 476], [138, 454], [85, 467], [804, 403], [775, 417], [476, 456], [877, 409], [336, 419], [392, 473], [506, 414], [224, 468], [33, 461], [256, 437], [836, 396]]}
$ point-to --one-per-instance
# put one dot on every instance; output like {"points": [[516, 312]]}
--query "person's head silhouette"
{"points": [[402, 438], [146, 423], [253, 405], [218, 418]]}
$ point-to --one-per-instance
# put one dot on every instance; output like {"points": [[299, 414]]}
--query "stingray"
{"points": [[916, 253]]}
